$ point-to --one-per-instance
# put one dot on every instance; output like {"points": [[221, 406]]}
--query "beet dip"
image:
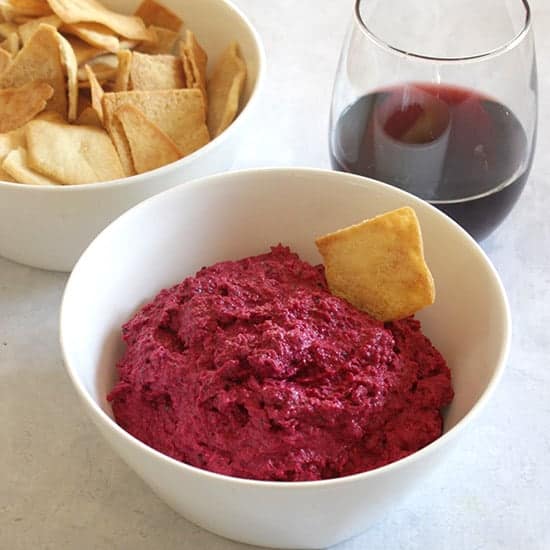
{"points": [[253, 369]]}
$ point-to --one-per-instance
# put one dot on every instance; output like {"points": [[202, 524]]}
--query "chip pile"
{"points": [[89, 95]]}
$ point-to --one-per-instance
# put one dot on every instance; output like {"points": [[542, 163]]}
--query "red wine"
{"points": [[463, 152]]}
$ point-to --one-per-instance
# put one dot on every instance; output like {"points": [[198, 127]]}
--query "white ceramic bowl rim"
{"points": [[217, 179], [187, 159]]}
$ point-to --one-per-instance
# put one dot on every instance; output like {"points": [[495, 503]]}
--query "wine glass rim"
{"points": [[474, 57]]}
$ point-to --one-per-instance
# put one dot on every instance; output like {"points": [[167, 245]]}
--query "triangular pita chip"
{"points": [[19, 105], [68, 59], [72, 154], [378, 265], [125, 44], [122, 146], [156, 72], [104, 74], [150, 147], [78, 11], [194, 63], [123, 71], [178, 113], [28, 29], [88, 117], [224, 90], [34, 8], [39, 59], [153, 13], [16, 165], [163, 42], [11, 141], [105, 68], [82, 50], [95, 35], [106, 59], [96, 93]]}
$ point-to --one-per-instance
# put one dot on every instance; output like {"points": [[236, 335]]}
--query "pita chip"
{"points": [[71, 154], [11, 141], [105, 68], [178, 113], [153, 13], [156, 72], [194, 60], [19, 105], [82, 50], [96, 92], [88, 117], [150, 147], [163, 41], [39, 59], [68, 59], [28, 29], [224, 90], [16, 165], [95, 35], [32, 8], [122, 81], [378, 265], [91, 11], [122, 146]]}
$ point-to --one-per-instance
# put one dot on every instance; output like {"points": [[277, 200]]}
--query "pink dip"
{"points": [[253, 369]]}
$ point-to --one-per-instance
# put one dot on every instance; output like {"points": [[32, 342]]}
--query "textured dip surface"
{"points": [[253, 369]]}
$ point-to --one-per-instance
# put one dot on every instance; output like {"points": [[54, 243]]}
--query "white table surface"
{"points": [[61, 486]]}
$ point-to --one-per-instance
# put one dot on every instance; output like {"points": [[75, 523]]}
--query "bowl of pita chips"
{"points": [[103, 104], [375, 256]]}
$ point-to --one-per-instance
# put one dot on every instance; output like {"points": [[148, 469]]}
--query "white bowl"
{"points": [[49, 227], [233, 215]]}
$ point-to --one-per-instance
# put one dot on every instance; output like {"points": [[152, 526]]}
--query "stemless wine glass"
{"points": [[440, 98]]}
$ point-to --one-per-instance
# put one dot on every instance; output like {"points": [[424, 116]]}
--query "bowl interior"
{"points": [[230, 216]]}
